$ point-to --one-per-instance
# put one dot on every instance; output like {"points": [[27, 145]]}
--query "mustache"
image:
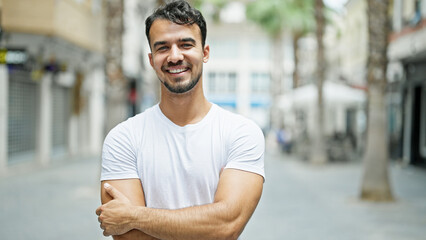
{"points": [[177, 64]]}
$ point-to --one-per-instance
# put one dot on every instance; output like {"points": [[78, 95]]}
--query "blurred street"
{"points": [[303, 201], [300, 201]]}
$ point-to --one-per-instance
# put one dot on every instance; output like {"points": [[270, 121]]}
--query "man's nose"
{"points": [[175, 55]]}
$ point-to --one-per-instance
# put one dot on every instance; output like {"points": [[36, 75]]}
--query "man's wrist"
{"points": [[135, 220]]}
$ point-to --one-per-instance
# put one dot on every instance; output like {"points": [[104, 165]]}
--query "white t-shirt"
{"points": [[180, 166]]}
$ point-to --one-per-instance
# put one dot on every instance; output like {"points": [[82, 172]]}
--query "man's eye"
{"points": [[187, 45], [162, 48]]}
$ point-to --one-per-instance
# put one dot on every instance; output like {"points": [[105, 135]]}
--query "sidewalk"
{"points": [[57, 202], [300, 201]]}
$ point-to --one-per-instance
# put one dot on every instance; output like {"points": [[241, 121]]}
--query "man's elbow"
{"points": [[133, 235], [232, 230], [123, 237]]}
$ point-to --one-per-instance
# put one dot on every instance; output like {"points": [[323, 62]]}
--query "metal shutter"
{"points": [[22, 116], [61, 108]]}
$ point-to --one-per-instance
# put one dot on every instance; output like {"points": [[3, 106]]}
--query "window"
{"points": [[222, 82], [212, 82], [412, 12], [260, 83], [232, 82]]}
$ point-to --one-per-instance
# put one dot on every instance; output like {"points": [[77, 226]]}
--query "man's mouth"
{"points": [[177, 70]]}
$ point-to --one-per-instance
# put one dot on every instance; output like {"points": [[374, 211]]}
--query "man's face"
{"points": [[177, 54]]}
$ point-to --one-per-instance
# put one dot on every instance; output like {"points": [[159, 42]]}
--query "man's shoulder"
{"points": [[232, 117], [147, 114], [236, 121], [132, 124]]}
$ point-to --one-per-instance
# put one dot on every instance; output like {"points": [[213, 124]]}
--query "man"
{"points": [[185, 168]]}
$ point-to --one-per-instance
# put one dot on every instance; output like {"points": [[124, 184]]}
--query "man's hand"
{"points": [[115, 216]]}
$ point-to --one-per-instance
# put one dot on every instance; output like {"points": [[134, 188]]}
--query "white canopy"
{"points": [[333, 93]]}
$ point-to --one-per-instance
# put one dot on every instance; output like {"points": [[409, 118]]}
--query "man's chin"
{"points": [[180, 88]]}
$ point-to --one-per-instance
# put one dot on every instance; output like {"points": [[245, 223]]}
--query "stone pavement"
{"points": [[57, 202], [300, 201]]}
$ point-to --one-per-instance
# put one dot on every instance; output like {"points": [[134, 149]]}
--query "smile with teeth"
{"points": [[178, 70]]}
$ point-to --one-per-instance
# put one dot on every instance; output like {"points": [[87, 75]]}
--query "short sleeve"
{"points": [[246, 148], [118, 155]]}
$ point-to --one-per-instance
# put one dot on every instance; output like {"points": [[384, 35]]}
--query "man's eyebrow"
{"points": [[159, 43], [188, 40]]}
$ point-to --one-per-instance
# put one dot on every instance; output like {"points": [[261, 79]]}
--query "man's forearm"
{"points": [[134, 235], [212, 221], [235, 201]]}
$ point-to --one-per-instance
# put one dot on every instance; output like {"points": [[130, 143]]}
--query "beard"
{"points": [[182, 88]]}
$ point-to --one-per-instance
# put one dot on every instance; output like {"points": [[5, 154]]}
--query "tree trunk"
{"points": [[276, 81], [375, 182], [296, 78], [116, 89], [161, 2], [318, 152]]}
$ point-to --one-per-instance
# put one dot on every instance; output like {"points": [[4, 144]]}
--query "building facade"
{"points": [[237, 76], [407, 81], [405, 98], [353, 44], [136, 64], [52, 102]]}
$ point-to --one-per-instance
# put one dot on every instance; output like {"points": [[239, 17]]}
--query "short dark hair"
{"points": [[179, 12]]}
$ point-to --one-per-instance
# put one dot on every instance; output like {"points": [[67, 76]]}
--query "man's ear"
{"points": [[206, 53], [150, 59]]}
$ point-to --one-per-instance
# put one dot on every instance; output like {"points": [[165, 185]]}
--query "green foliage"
{"points": [[196, 3], [216, 3], [276, 16]]}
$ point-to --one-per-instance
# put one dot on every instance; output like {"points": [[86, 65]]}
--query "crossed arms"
{"points": [[124, 215]]}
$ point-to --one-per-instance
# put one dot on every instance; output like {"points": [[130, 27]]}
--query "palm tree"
{"points": [[217, 6], [375, 181], [161, 2], [116, 90], [277, 16], [318, 153], [301, 23]]}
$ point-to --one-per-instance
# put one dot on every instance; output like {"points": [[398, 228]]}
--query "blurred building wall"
{"points": [[55, 100], [407, 81], [405, 98], [237, 76], [353, 43], [79, 22], [135, 52]]}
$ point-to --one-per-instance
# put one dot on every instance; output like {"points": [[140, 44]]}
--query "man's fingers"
{"points": [[98, 211], [114, 193]]}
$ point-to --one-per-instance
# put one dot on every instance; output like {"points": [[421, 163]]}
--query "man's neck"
{"points": [[186, 108]]}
